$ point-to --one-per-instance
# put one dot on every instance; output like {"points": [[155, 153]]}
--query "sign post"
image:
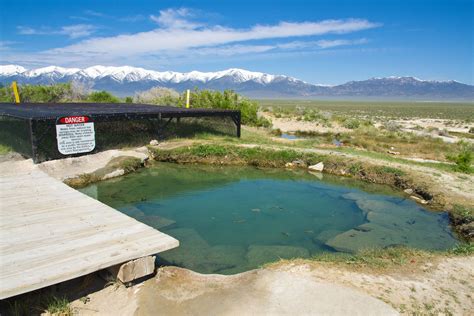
{"points": [[15, 92], [75, 134], [187, 99]]}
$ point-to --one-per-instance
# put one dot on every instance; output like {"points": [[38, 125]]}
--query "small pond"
{"points": [[290, 136], [233, 219]]}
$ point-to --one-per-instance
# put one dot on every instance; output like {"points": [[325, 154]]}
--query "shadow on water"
{"points": [[233, 219]]}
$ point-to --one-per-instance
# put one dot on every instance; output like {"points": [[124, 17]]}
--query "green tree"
{"points": [[128, 100]]}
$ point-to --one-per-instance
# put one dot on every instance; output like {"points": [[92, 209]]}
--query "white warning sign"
{"points": [[75, 134]]}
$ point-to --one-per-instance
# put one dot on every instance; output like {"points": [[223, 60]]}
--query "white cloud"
{"points": [[179, 35], [94, 13], [341, 42], [78, 30], [72, 31], [175, 19], [6, 45], [178, 38], [322, 44]]}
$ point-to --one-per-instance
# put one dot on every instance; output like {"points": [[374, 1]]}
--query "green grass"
{"points": [[393, 109], [386, 157], [391, 256], [376, 258], [36, 303], [59, 306], [465, 249], [4, 149]]}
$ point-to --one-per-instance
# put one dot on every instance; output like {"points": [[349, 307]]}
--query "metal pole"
{"points": [[187, 99], [15, 92]]}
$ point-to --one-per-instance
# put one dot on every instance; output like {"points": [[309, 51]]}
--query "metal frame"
{"points": [[149, 113]]}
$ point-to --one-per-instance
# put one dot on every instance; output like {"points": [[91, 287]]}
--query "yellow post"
{"points": [[15, 92], [187, 99]]}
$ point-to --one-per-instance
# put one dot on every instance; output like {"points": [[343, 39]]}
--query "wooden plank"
{"points": [[50, 233]]}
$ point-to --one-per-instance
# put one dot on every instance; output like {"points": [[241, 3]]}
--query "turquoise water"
{"points": [[232, 219]]}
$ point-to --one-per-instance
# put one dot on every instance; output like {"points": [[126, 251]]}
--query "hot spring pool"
{"points": [[233, 219]]}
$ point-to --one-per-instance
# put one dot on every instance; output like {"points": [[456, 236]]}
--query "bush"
{"points": [[128, 100], [228, 100], [464, 158], [392, 126], [158, 95], [102, 97], [351, 124], [38, 93]]}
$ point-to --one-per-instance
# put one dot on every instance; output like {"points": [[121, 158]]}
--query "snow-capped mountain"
{"points": [[127, 80]]}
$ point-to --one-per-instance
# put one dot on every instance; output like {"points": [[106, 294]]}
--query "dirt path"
{"points": [[442, 286]]}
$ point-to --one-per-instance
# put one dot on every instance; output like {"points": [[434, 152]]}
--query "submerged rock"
{"points": [[155, 221], [354, 240], [325, 235], [354, 196], [392, 224], [196, 254]]}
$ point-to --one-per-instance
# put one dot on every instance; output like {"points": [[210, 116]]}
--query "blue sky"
{"points": [[327, 42]]}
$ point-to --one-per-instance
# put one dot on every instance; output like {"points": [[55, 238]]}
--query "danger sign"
{"points": [[75, 134]]}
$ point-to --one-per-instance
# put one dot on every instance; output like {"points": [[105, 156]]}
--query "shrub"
{"points": [[464, 158], [102, 97], [228, 100], [351, 124], [38, 93], [158, 95], [392, 126], [128, 100], [276, 132]]}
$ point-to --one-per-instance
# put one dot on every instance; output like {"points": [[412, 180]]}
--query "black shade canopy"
{"points": [[100, 110]]}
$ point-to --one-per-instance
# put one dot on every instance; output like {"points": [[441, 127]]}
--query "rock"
{"points": [[317, 167], [134, 269], [408, 191], [325, 235], [355, 196], [355, 240], [154, 142], [318, 175], [419, 200], [289, 165], [363, 228], [114, 174], [259, 254], [467, 230], [391, 152], [299, 163], [132, 211], [155, 221], [390, 224]]}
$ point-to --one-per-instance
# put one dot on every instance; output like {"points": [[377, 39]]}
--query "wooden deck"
{"points": [[50, 233]]}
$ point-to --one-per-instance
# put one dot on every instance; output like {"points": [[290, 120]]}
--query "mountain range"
{"points": [[127, 80]]}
